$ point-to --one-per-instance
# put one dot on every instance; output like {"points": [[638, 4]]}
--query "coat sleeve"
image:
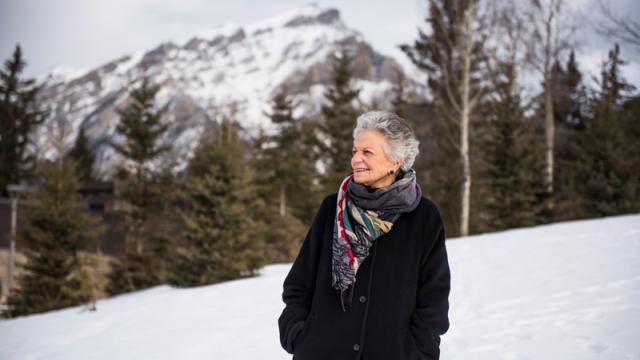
{"points": [[430, 318], [300, 282]]}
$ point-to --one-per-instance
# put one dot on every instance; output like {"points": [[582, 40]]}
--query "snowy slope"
{"points": [[562, 291], [243, 65]]}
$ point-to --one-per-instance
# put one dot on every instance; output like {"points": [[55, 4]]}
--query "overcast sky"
{"points": [[87, 33]]}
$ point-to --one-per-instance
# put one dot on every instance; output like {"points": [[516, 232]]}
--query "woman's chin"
{"points": [[359, 179]]}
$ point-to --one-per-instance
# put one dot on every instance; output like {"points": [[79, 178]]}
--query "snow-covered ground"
{"points": [[562, 291]]}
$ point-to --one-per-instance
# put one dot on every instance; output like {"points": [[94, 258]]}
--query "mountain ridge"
{"points": [[239, 65]]}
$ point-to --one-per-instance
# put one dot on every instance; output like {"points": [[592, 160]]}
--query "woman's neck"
{"points": [[389, 179]]}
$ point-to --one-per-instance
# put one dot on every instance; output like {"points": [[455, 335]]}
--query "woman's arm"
{"points": [[300, 282], [430, 318]]}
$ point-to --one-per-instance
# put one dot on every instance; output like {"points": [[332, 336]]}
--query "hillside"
{"points": [[561, 291]]}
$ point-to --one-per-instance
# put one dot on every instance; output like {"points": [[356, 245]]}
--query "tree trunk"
{"points": [[283, 200], [550, 131], [548, 105], [464, 126]]}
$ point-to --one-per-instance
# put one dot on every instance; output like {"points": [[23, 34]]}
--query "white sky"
{"points": [[87, 33]]}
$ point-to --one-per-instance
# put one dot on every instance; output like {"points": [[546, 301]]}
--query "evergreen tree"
{"points": [[399, 101], [145, 198], [570, 100], [19, 117], [83, 156], [220, 241], [569, 93], [292, 172], [339, 119], [511, 164], [285, 180], [312, 154], [57, 227], [606, 172]]}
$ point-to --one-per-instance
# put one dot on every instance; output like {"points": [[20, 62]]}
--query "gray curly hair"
{"points": [[401, 141]]}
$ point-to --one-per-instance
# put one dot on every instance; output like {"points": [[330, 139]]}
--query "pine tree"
{"points": [[142, 127], [220, 241], [339, 119], [57, 227], [292, 168], [570, 100], [83, 156], [19, 117], [285, 180], [569, 94], [606, 172], [511, 164], [399, 101], [312, 154]]}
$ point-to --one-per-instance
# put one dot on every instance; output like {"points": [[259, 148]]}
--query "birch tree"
{"points": [[548, 40], [451, 56]]}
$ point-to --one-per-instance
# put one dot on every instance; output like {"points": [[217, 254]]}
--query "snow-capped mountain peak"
{"points": [[243, 65]]}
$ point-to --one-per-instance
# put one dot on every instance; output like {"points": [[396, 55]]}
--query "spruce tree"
{"points": [[569, 93], [288, 157], [399, 101], [311, 153], [57, 225], [142, 127], [83, 156], [285, 180], [570, 100], [510, 174], [339, 119], [220, 239], [19, 117], [606, 172]]}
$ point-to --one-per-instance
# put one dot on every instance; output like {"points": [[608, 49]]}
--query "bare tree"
{"points": [[451, 55], [508, 29], [622, 29], [549, 38]]}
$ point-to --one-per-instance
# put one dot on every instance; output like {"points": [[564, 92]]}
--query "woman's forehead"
{"points": [[369, 138]]}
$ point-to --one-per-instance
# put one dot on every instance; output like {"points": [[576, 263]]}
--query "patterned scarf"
{"points": [[362, 215]]}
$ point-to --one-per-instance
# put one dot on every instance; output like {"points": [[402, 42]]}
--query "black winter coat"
{"points": [[401, 294]]}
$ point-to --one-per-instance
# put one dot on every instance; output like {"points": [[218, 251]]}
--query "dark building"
{"points": [[100, 200]]}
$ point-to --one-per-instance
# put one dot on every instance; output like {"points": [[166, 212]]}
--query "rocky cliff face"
{"points": [[240, 65]]}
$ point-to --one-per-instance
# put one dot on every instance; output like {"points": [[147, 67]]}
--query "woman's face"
{"points": [[369, 161]]}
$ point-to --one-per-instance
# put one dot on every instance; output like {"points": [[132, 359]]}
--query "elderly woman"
{"points": [[372, 278]]}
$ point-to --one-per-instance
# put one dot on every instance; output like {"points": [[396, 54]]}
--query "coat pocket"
{"points": [[299, 339], [415, 349]]}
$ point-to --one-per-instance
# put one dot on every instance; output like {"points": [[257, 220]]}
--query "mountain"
{"points": [[568, 290], [243, 65]]}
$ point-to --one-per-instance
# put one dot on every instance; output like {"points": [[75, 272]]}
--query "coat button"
{"points": [[356, 347], [363, 299]]}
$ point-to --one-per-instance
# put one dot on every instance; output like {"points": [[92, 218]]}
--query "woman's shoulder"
{"points": [[427, 203], [330, 199], [328, 204], [428, 206]]}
